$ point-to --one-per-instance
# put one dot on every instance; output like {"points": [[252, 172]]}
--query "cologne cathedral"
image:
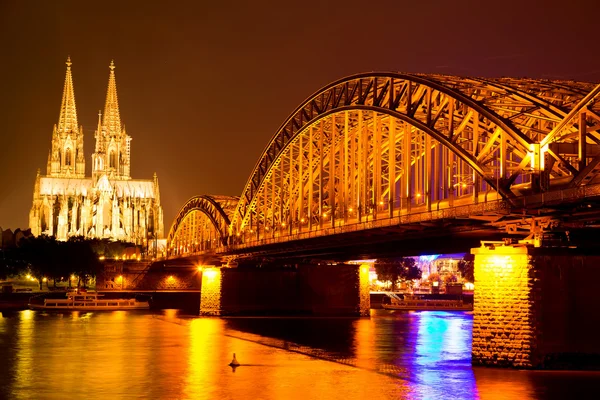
{"points": [[109, 204]]}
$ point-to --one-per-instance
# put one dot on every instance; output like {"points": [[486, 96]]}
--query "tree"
{"points": [[45, 257], [403, 268], [450, 278], [466, 267], [411, 271], [82, 260], [434, 277], [39, 254]]}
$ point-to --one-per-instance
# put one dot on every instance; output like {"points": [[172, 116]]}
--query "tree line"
{"points": [[45, 257]]}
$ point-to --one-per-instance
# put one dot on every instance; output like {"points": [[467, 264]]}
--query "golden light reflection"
{"points": [[364, 293], [204, 357], [364, 344], [26, 345]]}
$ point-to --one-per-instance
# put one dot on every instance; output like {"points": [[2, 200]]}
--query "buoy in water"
{"points": [[234, 362]]}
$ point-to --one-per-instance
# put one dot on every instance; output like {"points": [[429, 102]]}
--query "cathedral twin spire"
{"points": [[112, 118], [66, 155], [67, 121], [112, 150]]}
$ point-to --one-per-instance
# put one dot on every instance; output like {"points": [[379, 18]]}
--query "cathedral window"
{"points": [[113, 160], [68, 157]]}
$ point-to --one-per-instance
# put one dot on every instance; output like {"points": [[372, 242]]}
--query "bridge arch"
{"points": [[202, 223], [401, 142]]}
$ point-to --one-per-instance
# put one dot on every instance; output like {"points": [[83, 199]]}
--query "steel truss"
{"points": [[383, 145], [201, 224]]}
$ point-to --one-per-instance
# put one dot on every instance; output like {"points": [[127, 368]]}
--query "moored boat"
{"points": [[89, 301], [416, 303]]}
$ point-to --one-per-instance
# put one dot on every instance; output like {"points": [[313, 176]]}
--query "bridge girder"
{"points": [[491, 129], [398, 146], [201, 219]]}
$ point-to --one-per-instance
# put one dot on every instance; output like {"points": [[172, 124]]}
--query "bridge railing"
{"points": [[418, 217], [564, 195]]}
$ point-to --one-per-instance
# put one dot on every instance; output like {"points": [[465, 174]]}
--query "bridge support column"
{"points": [[535, 307], [504, 320], [211, 292], [364, 292], [340, 290]]}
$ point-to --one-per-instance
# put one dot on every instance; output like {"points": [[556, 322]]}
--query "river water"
{"points": [[165, 355]]}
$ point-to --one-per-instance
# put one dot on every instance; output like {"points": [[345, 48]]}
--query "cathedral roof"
{"points": [[67, 120], [112, 118], [133, 188]]}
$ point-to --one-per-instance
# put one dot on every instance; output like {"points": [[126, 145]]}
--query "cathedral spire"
{"points": [[67, 120], [99, 132], [112, 119]]}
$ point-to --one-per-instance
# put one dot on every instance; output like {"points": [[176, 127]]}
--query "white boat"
{"points": [[416, 303], [89, 301]]}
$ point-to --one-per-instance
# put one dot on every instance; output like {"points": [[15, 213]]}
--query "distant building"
{"points": [[442, 264], [109, 204]]}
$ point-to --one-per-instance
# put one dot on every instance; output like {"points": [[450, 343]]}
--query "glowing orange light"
{"points": [[418, 194], [350, 209], [381, 203], [210, 273], [170, 278], [302, 220]]}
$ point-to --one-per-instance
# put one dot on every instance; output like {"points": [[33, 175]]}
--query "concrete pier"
{"points": [[535, 307], [340, 290]]}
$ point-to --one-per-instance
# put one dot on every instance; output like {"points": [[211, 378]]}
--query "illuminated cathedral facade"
{"points": [[109, 204]]}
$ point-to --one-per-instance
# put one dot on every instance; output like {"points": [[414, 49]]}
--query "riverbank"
{"points": [[15, 301], [188, 301]]}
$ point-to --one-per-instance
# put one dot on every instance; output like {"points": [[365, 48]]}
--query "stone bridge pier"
{"points": [[536, 307], [335, 290]]}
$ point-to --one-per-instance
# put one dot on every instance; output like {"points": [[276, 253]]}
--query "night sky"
{"points": [[204, 85]]}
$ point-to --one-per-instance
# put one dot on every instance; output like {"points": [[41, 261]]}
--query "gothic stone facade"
{"points": [[109, 204]]}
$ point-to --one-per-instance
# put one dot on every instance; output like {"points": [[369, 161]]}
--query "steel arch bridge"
{"points": [[202, 223], [395, 147]]}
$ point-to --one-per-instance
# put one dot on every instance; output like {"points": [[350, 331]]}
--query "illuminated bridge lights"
{"points": [[384, 149]]}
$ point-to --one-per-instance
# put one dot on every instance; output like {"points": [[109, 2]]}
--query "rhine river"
{"points": [[139, 355]]}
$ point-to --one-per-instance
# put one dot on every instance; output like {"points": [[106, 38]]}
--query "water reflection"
{"points": [[417, 355], [441, 357]]}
